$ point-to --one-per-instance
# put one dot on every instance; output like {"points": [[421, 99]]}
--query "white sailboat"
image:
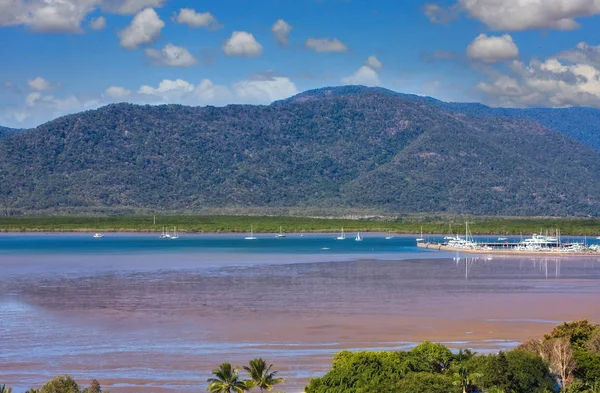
{"points": [[280, 234], [358, 237], [98, 235], [251, 236], [174, 235], [165, 234], [421, 238], [389, 236], [342, 235]]}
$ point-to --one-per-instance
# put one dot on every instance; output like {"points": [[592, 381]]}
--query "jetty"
{"points": [[536, 245]]}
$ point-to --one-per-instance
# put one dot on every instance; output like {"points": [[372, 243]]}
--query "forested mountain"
{"points": [[580, 123], [5, 131], [348, 147]]}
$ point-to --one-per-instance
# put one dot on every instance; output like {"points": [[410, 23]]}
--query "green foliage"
{"points": [[226, 380], [60, 384], [578, 332], [361, 372], [425, 382], [94, 387], [428, 357], [261, 375], [236, 223], [528, 373], [5, 389], [361, 149]]}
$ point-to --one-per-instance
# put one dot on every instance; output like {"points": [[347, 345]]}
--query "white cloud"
{"points": [[195, 19], [39, 107], [583, 53], [365, 75], [326, 45], [117, 92], [281, 30], [265, 90], [171, 55], [144, 29], [207, 92], [129, 7], [517, 15], [554, 82], [374, 62], [39, 84], [491, 49], [438, 14], [242, 44], [31, 98], [98, 23], [63, 16], [168, 89]]}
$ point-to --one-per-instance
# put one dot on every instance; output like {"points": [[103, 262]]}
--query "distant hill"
{"points": [[580, 123], [5, 131], [350, 147]]}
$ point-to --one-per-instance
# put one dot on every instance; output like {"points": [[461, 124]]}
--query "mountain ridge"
{"points": [[365, 150]]}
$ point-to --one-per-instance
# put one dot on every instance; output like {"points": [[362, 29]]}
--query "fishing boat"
{"points": [[98, 235], [280, 234], [342, 235], [389, 236], [251, 236], [358, 237]]}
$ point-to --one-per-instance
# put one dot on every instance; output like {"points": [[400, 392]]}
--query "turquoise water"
{"points": [[373, 245], [150, 243]]}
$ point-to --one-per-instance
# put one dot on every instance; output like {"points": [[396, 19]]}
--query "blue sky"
{"points": [[64, 56]]}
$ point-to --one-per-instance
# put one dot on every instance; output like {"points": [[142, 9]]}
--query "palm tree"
{"points": [[5, 389], [261, 376], [226, 380], [464, 379]]}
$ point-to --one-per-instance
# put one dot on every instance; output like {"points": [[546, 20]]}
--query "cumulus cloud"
{"points": [[281, 30], [144, 29], [374, 62], [583, 53], [265, 90], [491, 49], [63, 16], [365, 75], [517, 15], [439, 14], [242, 44], [554, 82], [326, 45], [40, 84], [117, 92], [129, 7], [171, 55], [98, 23], [190, 17]]}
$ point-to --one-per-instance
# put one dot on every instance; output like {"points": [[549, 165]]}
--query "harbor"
{"points": [[537, 244]]}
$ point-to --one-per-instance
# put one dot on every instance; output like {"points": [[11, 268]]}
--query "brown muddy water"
{"points": [[156, 319]]}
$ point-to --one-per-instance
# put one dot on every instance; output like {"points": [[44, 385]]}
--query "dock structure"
{"points": [[510, 249]]}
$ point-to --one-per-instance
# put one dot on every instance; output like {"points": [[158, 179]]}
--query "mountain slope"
{"points": [[367, 149], [580, 123], [5, 131]]}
